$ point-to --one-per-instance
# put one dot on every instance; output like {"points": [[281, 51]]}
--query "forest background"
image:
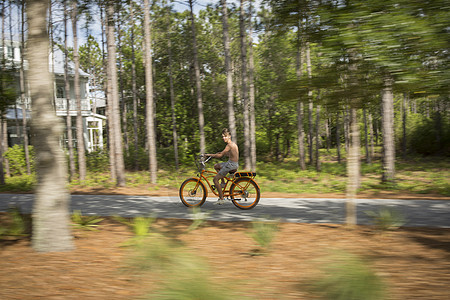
{"points": [[310, 90]]}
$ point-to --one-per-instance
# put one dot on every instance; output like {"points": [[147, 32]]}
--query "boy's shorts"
{"points": [[226, 167]]}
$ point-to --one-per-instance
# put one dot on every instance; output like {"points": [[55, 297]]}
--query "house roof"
{"points": [[58, 59]]}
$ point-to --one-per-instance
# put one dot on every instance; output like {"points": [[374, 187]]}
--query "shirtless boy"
{"points": [[232, 151]]}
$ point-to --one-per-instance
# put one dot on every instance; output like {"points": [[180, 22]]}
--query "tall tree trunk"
{"points": [[172, 105], [317, 138], [371, 134], [387, 102], [72, 166], [79, 119], [4, 128], [229, 71], [404, 120], [300, 129], [245, 101], [353, 168], [134, 92], [22, 91], [198, 84], [123, 106], [338, 138], [51, 229], [116, 136], [2, 170], [151, 134], [366, 138], [251, 81], [310, 106]]}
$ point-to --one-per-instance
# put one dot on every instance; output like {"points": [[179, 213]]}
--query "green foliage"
{"points": [[85, 222], [263, 232], [17, 161], [17, 224], [386, 218], [348, 277], [97, 161], [139, 225], [199, 218], [22, 183], [182, 274]]}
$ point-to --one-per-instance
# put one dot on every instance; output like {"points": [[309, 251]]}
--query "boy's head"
{"points": [[226, 132]]}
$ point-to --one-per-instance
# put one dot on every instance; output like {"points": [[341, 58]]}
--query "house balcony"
{"points": [[61, 107]]}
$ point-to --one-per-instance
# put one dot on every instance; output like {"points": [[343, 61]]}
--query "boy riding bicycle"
{"points": [[232, 151]]}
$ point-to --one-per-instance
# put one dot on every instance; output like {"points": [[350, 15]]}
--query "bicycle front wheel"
{"points": [[245, 193], [193, 192]]}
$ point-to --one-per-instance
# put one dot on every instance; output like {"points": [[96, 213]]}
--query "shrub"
{"points": [[348, 277], [17, 161]]}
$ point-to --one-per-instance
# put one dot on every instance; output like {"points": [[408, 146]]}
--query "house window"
{"points": [[60, 92], [9, 52]]}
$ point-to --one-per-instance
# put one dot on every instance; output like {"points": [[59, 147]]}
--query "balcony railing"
{"points": [[61, 104]]}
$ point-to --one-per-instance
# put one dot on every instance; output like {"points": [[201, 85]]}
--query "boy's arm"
{"points": [[220, 154]]}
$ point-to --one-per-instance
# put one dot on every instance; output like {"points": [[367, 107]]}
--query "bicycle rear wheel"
{"points": [[192, 192], [248, 191]]}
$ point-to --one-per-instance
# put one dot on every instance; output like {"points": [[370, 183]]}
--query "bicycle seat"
{"points": [[232, 171]]}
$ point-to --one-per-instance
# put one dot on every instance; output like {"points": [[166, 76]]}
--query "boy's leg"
{"points": [[218, 187]]}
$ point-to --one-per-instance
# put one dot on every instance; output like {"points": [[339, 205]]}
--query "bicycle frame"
{"points": [[204, 175]]}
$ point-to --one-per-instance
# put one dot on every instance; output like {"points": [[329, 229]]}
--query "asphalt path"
{"points": [[417, 213]]}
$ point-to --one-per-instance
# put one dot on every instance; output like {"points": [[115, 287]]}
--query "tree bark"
{"points": [[300, 129], [251, 81], [151, 135], [115, 111], [72, 167], [51, 229], [404, 120], [79, 119], [338, 138], [172, 105], [317, 138], [310, 106], [229, 71], [198, 84], [134, 92], [22, 90], [244, 75], [387, 102], [353, 167], [366, 138]]}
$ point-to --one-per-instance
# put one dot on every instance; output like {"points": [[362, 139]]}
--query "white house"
{"points": [[92, 122]]}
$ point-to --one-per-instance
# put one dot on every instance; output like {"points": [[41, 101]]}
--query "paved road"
{"points": [[433, 213]]}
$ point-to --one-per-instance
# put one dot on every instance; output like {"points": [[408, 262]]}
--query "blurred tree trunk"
{"points": [[300, 129], [51, 221], [245, 100], [338, 138], [353, 167], [172, 105], [79, 119], [116, 135], [198, 84], [229, 71], [134, 92], [22, 88], [72, 166], [317, 138], [251, 81], [123, 106], [2, 170], [387, 102], [366, 138], [151, 133], [4, 128], [310, 106], [404, 120]]}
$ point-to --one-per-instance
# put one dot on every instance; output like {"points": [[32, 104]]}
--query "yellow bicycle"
{"points": [[240, 187]]}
